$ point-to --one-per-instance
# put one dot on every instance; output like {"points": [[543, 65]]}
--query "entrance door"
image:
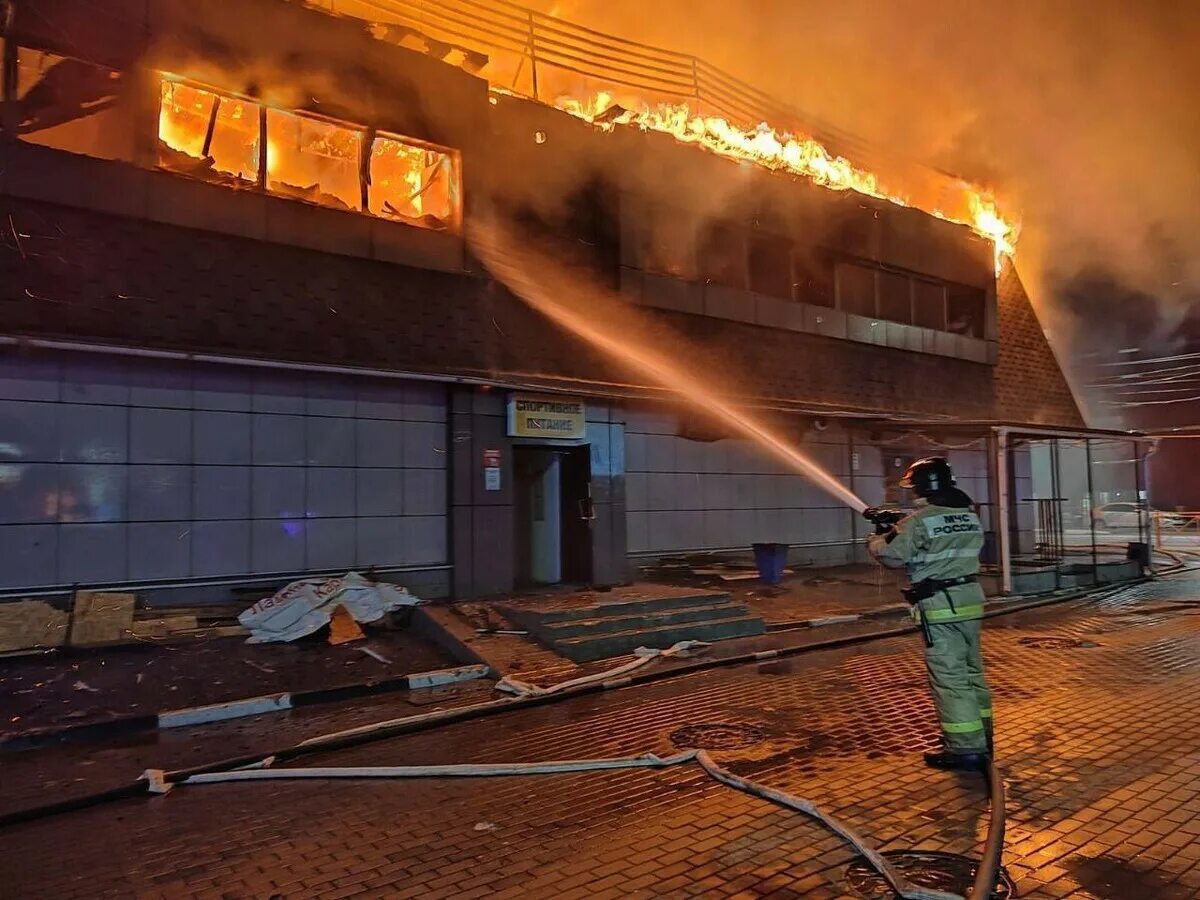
{"points": [[577, 515], [553, 515]]}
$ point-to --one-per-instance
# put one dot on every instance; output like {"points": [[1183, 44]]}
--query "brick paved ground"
{"points": [[141, 679], [1099, 743]]}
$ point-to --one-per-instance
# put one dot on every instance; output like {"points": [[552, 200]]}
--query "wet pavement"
{"points": [[1097, 733], [89, 686]]}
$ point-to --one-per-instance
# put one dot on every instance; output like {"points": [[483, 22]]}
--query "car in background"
{"points": [[1117, 516]]}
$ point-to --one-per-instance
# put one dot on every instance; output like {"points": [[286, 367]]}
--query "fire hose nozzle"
{"points": [[882, 518]]}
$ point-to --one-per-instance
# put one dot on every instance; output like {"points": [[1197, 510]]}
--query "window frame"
{"points": [[367, 134]]}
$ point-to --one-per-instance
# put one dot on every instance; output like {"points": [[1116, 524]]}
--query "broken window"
{"points": [[208, 135], [895, 297], [964, 310], [71, 105], [314, 160], [929, 305], [856, 289], [413, 183]]}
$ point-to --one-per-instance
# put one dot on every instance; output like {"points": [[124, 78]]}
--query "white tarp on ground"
{"points": [[304, 606]]}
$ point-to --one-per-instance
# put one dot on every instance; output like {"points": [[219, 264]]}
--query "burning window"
{"points": [[70, 105], [856, 289], [218, 137], [929, 305], [895, 297], [413, 183], [314, 160], [771, 265], [207, 135], [964, 310], [723, 256]]}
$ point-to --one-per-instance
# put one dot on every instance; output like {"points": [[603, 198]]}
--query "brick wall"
{"points": [[66, 272], [1030, 387]]}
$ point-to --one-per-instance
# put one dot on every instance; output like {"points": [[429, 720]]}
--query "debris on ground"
{"points": [[306, 606], [163, 626], [31, 625], [498, 631], [100, 619], [342, 627], [375, 655], [485, 826], [706, 566], [84, 686]]}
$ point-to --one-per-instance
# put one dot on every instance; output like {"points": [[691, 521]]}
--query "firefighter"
{"points": [[939, 544]]}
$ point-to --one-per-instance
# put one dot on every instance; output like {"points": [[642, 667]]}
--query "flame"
{"points": [[765, 146]]}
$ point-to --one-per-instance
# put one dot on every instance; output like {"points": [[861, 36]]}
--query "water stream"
{"points": [[604, 320]]}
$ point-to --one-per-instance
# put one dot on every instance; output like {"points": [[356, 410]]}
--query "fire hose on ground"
{"points": [[258, 767], [157, 781]]}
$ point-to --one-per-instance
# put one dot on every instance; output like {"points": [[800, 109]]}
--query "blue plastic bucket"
{"points": [[771, 560]]}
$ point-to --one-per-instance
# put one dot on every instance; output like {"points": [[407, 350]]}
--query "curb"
{"points": [[236, 709]]}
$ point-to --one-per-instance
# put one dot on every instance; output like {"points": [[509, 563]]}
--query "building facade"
{"points": [[244, 338]]}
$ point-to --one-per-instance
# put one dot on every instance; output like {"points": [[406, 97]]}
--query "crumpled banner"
{"points": [[306, 605]]}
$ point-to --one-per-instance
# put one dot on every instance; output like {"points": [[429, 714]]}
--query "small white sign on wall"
{"points": [[491, 470]]}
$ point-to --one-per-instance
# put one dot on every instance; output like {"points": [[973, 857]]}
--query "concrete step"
{"points": [[557, 631], [603, 646], [641, 606]]}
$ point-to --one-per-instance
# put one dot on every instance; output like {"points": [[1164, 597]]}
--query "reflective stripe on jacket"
{"points": [[938, 542]]}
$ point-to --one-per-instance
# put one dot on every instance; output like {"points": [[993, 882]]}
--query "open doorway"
{"points": [[553, 515]]}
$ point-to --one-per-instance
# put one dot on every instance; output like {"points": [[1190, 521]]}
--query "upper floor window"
{"points": [[670, 243], [722, 256], [771, 265], [413, 182], [208, 135], [70, 105], [877, 293], [856, 289], [314, 160], [234, 140], [965, 310], [929, 304]]}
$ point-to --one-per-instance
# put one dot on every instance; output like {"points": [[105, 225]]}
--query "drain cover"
{"points": [[925, 868], [716, 736], [1055, 643]]}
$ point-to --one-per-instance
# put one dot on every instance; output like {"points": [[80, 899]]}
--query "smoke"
{"points": [[1081, 114]]}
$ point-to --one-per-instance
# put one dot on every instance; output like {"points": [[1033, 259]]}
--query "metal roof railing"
{"points": [[536, 55]]}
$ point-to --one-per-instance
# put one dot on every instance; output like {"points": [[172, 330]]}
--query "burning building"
{"points": [[245, 337]]}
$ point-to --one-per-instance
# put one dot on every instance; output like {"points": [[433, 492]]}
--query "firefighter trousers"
{"points": [[959, 688]]}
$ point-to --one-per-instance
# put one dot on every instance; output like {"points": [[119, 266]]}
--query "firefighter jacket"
{"points": [[940, 540]]}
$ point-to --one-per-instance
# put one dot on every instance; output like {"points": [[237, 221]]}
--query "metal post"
{"points": [[1143, 536], [1000, 464], [262, 147], [1087, 443], [212, 126], [1055, 520], [533, 57]]}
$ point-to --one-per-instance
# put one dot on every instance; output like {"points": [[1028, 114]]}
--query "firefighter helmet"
{"points": [[928, 476]]}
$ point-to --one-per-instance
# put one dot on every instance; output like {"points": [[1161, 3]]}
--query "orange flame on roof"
{"points": [[783, 151]]}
